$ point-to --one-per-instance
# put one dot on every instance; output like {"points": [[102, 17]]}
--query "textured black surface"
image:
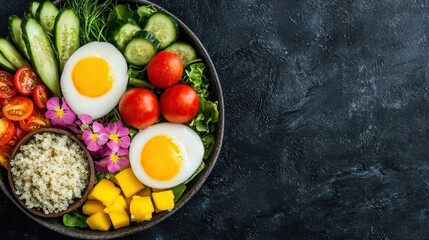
{"points": [[327, 122]]}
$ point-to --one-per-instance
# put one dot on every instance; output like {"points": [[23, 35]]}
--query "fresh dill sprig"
{"points": [[93, 16]]}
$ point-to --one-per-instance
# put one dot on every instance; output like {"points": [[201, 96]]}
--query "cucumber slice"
{"points": [[45, 14], [6, 65], [12, 54], [184, 50], [33, 8], [163, 27], [120, 31], [66, 33], [15, 34], [141, 48], [41, 53]]}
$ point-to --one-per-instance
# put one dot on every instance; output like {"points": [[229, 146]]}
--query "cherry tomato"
{"points": [[5, 152], [139, 108], [34, 122], [26, 80], [7, 89], [7, 131], [40, 95], [165, 69], [179, 103], [4, 101], [19, 132], [19, 108]]}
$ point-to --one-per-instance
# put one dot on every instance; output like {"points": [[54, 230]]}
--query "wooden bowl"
{"points": [[77, 202]]}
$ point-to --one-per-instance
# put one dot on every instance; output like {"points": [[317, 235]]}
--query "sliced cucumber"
{"points": [[66, 33], [33, 8], [141, 48], [120, 31], [45, 14], [163, 27], [12, 54], [184, 50], [41, 53], [15, 34], [6, 65]]}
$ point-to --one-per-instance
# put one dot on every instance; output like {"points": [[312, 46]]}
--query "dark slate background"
{"points": [[327, 122]]}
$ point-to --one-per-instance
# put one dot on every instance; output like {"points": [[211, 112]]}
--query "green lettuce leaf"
{"points": [[144, 13], [207, 116], [178, 191], [199, 169], [75, 219], [120, 11], [194, 76], [208, 142]]}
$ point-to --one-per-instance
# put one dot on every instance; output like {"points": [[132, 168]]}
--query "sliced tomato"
{"points": [[4, 101], [40, 95], [36, 121], [25, 80], [5, 152], [7, 131], [19, 108], [7, 89], [19, 132]]}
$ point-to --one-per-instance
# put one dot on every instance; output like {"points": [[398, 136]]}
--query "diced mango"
{"points": [[146, 192], [128, 182], [92, 206], [163, 200], [141, 208], [117, 205], [113, 180], [105, 192], [119, 218], [99, 221]]}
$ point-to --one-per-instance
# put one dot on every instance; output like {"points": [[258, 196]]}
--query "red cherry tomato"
{"points": [[7, 131], [7, 89], [179, 103], [139, 108], [40, 95], [35, 121], [19, 108], [165, 69], [19, 132], [5, 152], [26, 80]]}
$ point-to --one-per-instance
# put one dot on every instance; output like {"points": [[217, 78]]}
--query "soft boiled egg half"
{"points": [[94, 79], [165, 154]]}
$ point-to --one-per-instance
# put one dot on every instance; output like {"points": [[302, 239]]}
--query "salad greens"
{"points": [[75, 219]]}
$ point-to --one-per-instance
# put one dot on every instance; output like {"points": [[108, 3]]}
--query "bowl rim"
{"points": [[91, 177], [53, 225]]}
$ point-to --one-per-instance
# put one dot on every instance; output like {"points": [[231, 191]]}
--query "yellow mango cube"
{"points": [[117, 205], [128, 182], [113, 180], [119, 218], [141, 208], [99, 221], [92, 206], [105, 192], [163, 200], [146, 192]]}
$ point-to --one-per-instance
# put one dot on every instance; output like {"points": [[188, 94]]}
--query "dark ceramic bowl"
{"points": [[91, 178], [56, 224]]}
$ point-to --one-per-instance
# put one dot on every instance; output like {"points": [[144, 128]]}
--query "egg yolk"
{"points": [[92, 76], [161, 158]]}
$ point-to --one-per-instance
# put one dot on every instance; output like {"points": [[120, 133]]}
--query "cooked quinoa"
{"points": [[49, 172]]}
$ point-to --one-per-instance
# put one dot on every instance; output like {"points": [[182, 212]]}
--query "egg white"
{"points": [[95, 106], [190, 145]]}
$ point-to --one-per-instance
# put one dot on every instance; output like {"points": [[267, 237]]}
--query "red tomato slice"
{"points": [[40, 95], [19, 132], [36, 121], [19, 108], [5, 152], [7, 89], [7, 130], [26, 80]]}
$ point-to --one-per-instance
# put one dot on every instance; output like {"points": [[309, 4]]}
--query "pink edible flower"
{"points": [[59, 115], [118, 136], [84, 121], [115, 159], [100, 167], [95, 139]]}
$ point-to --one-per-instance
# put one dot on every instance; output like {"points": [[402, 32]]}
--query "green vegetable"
{"points": [[120, 11], [93, 18], [199, 169], [100, 175], [178, 191], [134, 82], [136, 71], [208, 142], [144, 13], [194, 76], [206, 117], [75, 219]]}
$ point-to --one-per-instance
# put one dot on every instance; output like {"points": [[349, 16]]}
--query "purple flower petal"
{"points": [[122, 151], [92, 146], [98, 127], [113, 167], [87, 135], [123, 162], [69, 116], [85, 118], [112, 128], [125, 142], [53, 103], [102, 138], [99, 167]]}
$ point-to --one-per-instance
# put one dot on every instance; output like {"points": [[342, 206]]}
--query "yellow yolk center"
{"points": [[92, 76], [161, 158]]}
